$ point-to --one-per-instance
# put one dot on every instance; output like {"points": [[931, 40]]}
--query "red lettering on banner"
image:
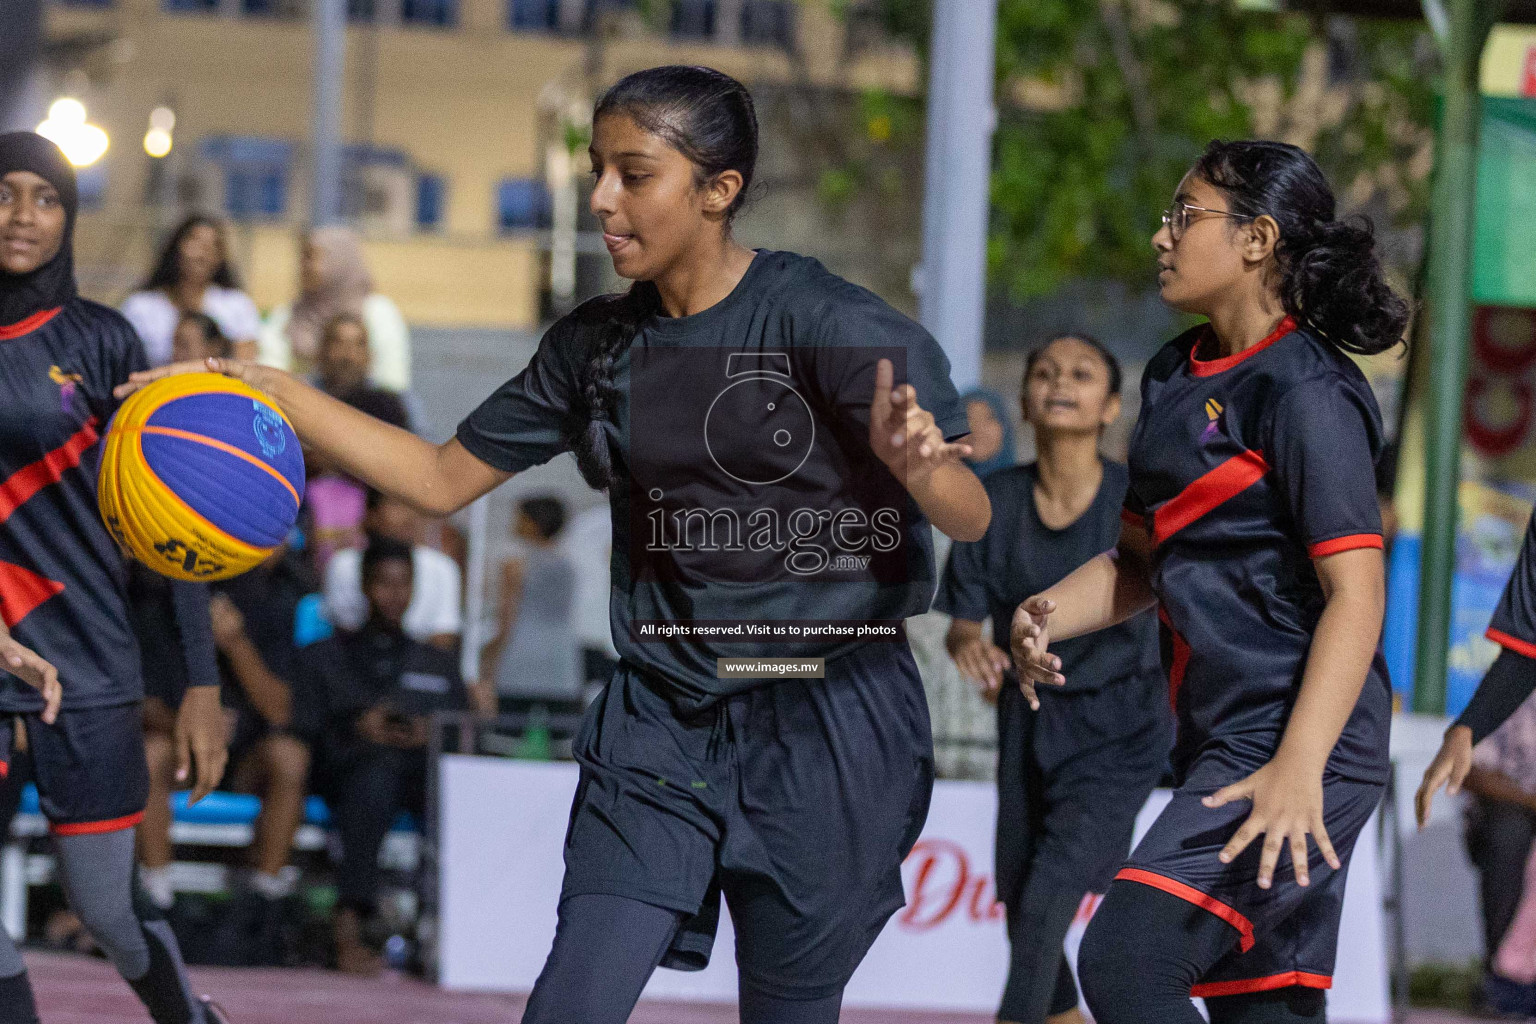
{"points": [[1528, 77], [942, 882]]}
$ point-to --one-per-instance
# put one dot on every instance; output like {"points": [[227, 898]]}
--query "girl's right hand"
{"points": [[1449, 769], [250, 373], [34, 670], [1030, 639], [983, 663]]}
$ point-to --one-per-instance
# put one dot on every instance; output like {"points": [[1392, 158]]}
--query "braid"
{"points": [[621, 317]]}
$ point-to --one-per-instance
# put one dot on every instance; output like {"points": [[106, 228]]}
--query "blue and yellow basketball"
{"points": [[201, 476]]}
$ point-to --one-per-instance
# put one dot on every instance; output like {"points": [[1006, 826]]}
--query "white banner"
{"points": [[503, 825]]}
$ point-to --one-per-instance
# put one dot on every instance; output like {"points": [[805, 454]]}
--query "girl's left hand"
{"points": [[1287, 804], [903, 433]]}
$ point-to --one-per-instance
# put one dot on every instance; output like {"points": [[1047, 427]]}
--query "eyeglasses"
{"points": [[1177, 217]]}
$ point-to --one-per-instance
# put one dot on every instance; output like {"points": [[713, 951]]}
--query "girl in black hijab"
{"points": [[70, 676]]}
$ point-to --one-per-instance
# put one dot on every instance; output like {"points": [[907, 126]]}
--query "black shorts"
{"points": [[88, 765], [1287, 935], [798, 801]]}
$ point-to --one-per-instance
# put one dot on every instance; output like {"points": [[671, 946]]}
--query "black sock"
{"points": [[164, 989], [16, 1005]]}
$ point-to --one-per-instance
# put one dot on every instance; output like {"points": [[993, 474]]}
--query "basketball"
{"points": [[201, 476]]}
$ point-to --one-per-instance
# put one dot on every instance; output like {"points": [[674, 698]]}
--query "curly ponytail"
{"points": [[1331, 275]]}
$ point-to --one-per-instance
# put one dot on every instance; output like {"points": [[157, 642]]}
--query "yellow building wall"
{"points": [[459, 102], [1504, 59]]}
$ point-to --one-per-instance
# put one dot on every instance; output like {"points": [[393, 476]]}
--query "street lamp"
{"points": [[82, 143]]}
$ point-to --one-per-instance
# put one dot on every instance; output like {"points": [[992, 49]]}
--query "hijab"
{"points": [[52, 284], [1006, 455], [344, 284]]}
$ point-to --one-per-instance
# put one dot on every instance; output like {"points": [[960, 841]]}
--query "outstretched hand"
{"points": [[904, 434], [1030, 640]]}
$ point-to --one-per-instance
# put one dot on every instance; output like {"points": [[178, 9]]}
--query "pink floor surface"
{"points": [[77, 990]]}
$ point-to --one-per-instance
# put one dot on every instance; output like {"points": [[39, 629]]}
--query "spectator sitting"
{"points": [[534, 654], [261, 619], [374, 692], [198, 337], [193, 275], [334, 278], [334, 502], [342, 371], [434, 616]]}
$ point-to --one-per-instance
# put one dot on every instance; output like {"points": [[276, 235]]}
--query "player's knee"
{"points": [[287, 763], [160, 753]]}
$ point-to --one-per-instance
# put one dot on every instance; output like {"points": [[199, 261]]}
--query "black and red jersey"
{"points": [[62, 579], [1244, 469]]}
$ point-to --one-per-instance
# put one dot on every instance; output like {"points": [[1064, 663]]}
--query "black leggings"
{"points": [[1145, 949], [1039, 978], [606, 948]]}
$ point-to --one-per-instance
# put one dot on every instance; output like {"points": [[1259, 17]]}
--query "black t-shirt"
{"points": [[339, 678], [1244, 469], [1115, 685], [745, 476]]}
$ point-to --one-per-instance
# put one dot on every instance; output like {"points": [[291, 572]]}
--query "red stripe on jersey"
{"points": [[30, 324], [1192, 895], [81, 828], [1324, 548], [17, 488], [1513, 643], [22, 590], [5, 770], [1132, 519], [1207, 492], [1289, 979], [1211, 367], [1180, 663]]}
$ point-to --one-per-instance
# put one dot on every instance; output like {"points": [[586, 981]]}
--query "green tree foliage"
{"points": [[1104, 104]]}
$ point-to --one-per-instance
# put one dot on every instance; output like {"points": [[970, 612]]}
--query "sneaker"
{"points": [[213, 1013]]}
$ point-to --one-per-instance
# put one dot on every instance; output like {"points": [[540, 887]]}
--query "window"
{"points": [[273, 8], [187, 6], [365, 192], [361, 10], [441, 13], [255, 174], [522, 204], [693, 19], [533, 15], [431, 197], [85, 3], [768, 23]]}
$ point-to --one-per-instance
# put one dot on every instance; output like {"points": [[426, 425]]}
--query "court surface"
{"points": [[80, 990]]}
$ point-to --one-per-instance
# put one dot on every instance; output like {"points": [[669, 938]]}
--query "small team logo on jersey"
{"points": [[67, 383], [1212, 413]]}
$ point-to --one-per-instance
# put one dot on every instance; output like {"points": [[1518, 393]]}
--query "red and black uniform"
{"points": [[63, 590], [1245, 470]]}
